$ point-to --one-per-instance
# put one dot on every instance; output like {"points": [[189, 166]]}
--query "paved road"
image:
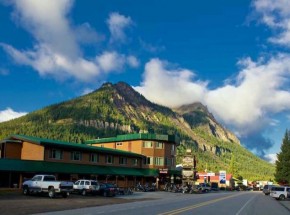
{"points": [[227, 203]]}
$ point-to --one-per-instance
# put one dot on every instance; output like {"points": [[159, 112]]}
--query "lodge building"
{"points": [[124, 160]]}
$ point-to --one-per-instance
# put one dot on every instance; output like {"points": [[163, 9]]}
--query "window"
{"points": [[159, 161], [55, 154], [122, 160], [148, 161], [36, 178], [134, 162], [147, 144], [109, 159], [76, 156], [173, 148], [82, 183], [94, 158], [167, 161], [48, 178], [158, 145]]}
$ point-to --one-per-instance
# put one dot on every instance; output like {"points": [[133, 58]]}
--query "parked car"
{"points": [[204, 187], [47, 184], [108, 189], [267, 188], [85, 187], [280, 192]]}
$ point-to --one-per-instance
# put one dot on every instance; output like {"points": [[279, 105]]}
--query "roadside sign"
{"points": [[222, 177], [163, 171]]}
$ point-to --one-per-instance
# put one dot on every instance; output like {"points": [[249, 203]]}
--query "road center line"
{"points": [[242, 208], [180, 210]]}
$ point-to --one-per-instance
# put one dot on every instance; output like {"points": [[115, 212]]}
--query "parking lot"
{"points": [[13, 202]]}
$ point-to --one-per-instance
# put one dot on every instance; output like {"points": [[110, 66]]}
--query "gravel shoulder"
{"points": [[13, 202]]}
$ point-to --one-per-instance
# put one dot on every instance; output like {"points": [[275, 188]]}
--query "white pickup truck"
{"points": [[47, 184]]}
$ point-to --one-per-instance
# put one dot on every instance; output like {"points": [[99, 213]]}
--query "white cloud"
{"points": [[115, 62], [87, 35], [117, 24], [57, 49], [133, 61], [259, 90], [111, 61], [47, 62], [271, 158], [8, 114], [170, 87], [276, 15]]}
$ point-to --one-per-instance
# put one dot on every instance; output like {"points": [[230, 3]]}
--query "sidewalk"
{"points": [[286, 203]]}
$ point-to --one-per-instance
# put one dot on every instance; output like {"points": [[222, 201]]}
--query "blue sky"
{"points": [[232, 56]]}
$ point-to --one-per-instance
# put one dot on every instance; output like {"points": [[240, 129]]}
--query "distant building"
{"points": [[215, 178]]}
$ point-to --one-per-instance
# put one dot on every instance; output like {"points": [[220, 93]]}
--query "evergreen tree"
{"points": [[282, 174], [233, 169]]}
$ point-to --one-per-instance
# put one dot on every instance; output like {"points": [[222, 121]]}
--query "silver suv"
{"points": [[84, 187], [280, 192], [267, 188]]}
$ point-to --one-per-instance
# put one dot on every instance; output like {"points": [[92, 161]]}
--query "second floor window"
{"points": [[168, 161], [109, 159], [173, 148], [55, 154], [76, 156], [147, 144], [94, 158], [159, 161], [158, 145], [122, 160]]}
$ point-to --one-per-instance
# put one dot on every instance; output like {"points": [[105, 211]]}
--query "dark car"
{"points": [[107, 189]]}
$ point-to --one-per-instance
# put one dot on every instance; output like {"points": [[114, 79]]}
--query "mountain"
{"points": [[118, 109]]}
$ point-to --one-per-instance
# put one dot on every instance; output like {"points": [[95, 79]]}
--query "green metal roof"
{"points": [[56, 167], [76, 146], [137, 136]]}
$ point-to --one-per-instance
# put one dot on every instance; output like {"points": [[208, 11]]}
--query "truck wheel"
{"points": [[51, 192], [25, 191], [84, 192]]}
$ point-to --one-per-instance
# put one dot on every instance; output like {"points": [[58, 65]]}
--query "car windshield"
{"points": [[94, 183], [36, 178], [110, 185]]}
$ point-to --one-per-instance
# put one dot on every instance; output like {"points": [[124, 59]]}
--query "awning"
{"points": [[15, 165]]}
